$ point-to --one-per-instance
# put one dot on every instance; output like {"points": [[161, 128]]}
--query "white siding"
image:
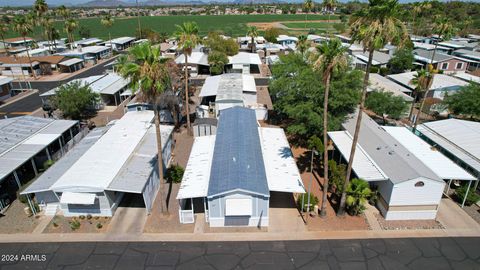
{"points": [[411, 215], [406, 193]]}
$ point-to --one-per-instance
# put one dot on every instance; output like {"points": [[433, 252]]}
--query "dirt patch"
{"points": [[331, 222], [15, 220], [61, 224], [473, 211], [408, 224], [262, 26]]}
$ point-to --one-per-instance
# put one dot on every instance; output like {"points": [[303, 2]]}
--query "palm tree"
{"points": [[63, 11], [23, 26], [417, 9], [332, 57], [187, 39], [148, 73], [70, 26], [308, 5], [302, 44], [252, 32], [108, 21], [40, 8], [444, 29], [374, 27], [48, 29], [422, 82], [329, 6], [3, 31]]}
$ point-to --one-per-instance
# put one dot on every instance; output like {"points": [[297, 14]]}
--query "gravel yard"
{"points": [[408, 224], [15, 220], [61, 224]]}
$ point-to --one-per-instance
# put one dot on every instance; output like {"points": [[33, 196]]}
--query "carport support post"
{"points": [[32, 206], [309, 187], [15, 175], [466, 193], [48, 154], [449, 184], [34, 167]]}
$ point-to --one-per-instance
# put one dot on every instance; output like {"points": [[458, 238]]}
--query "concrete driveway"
{"points": [[454, 218]]}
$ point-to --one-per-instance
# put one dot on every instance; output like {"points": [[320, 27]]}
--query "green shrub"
{"points": [[82, 217], [74, 224], [358, 194], [337, 173], [47, 164], [89, 216], [174, 174], [99, 225], [374, 69], [304, 198], [22, 198], [472, 196], [384, 71]]}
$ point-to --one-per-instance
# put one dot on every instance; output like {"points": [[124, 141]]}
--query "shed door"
{"points": [[238, 207]]}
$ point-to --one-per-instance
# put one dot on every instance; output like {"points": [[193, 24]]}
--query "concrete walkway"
{"points": [[128, 221], [43, 224], [454, 218], [371, 219]]}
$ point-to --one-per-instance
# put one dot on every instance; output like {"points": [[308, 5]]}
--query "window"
{"points": [[444, 66], [419, 184], [459, 65]]}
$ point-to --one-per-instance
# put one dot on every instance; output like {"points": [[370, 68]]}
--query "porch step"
{"points": [[51, 209]]}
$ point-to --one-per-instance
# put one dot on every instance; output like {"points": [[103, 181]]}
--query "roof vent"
{"points": [[391, 152], [234, 159], [379, 147]]}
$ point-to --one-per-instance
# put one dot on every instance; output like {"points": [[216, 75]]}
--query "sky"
{"points": [[76, 2]]}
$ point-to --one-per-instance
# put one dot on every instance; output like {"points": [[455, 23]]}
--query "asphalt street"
{"points": [[415, 253], [33, 102]]}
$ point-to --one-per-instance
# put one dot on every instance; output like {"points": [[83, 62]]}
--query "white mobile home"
{"points": [[85, 184], [233, 172]]}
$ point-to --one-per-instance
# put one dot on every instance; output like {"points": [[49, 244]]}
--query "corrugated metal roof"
{"points": [[280, 166], [363, 165], [378, 82], [426, 56], [245, 58], [379, 58], [230, 82], [197, 173], [70, 62], [50, 176], [5, 80], [195, 58], [440, 81], [467, 77], [136, 171], [91, 173], [394, 159], [237, 158], [459, 137], [432, 158]]}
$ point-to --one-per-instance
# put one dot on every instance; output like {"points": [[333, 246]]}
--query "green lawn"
{"points": [[310, 25], [230, 24]]}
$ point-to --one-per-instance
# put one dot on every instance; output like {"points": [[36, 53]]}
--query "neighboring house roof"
{"points": [[195, 58], [71, 61], [467, 53], [5, 80], [426, 56], [205, 121], [396, 161], [453, 44], [281, 38], [237, 162], [244, 58], [432, 158], [120, 40], [115, 147], [317, 37], [440, 81], [23, 137], [107, 84], [378, 82], [426, 46], [467, 77], [459, 137], [88, 41], [228, 83], [379, 58], [17, 40]]}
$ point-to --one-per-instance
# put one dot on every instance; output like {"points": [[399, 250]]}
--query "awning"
{"points": [[238, 207], [77, 198]]}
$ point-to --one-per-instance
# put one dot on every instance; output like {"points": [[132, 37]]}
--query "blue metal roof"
{"points": [[237, 158]]}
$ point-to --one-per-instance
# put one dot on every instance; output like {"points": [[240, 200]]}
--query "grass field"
{"points": [[230, 24], [310, 25]]}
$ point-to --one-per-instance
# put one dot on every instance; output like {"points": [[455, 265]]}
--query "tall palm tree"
{"points": [[302, 44], [444, 28], [252, 32], [108, 21], [3, 31], [70, 26], [417, 9], [187, 39], [40, 8], [48, 29], [374, 26], [63, 12], [148, 74], [332, 57], [329, 6], [308, 5], [422, 82], [23, 26]]}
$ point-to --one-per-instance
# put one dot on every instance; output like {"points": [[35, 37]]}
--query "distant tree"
{"points": [[107, 21], [466, 101], [4, 28], [401, 61], [308, 6], [23, 25], [385, 103], [70, 26], [217, 61], [84, 32], [252, 32], [75, 101], [217, 43], [271, 34]]}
